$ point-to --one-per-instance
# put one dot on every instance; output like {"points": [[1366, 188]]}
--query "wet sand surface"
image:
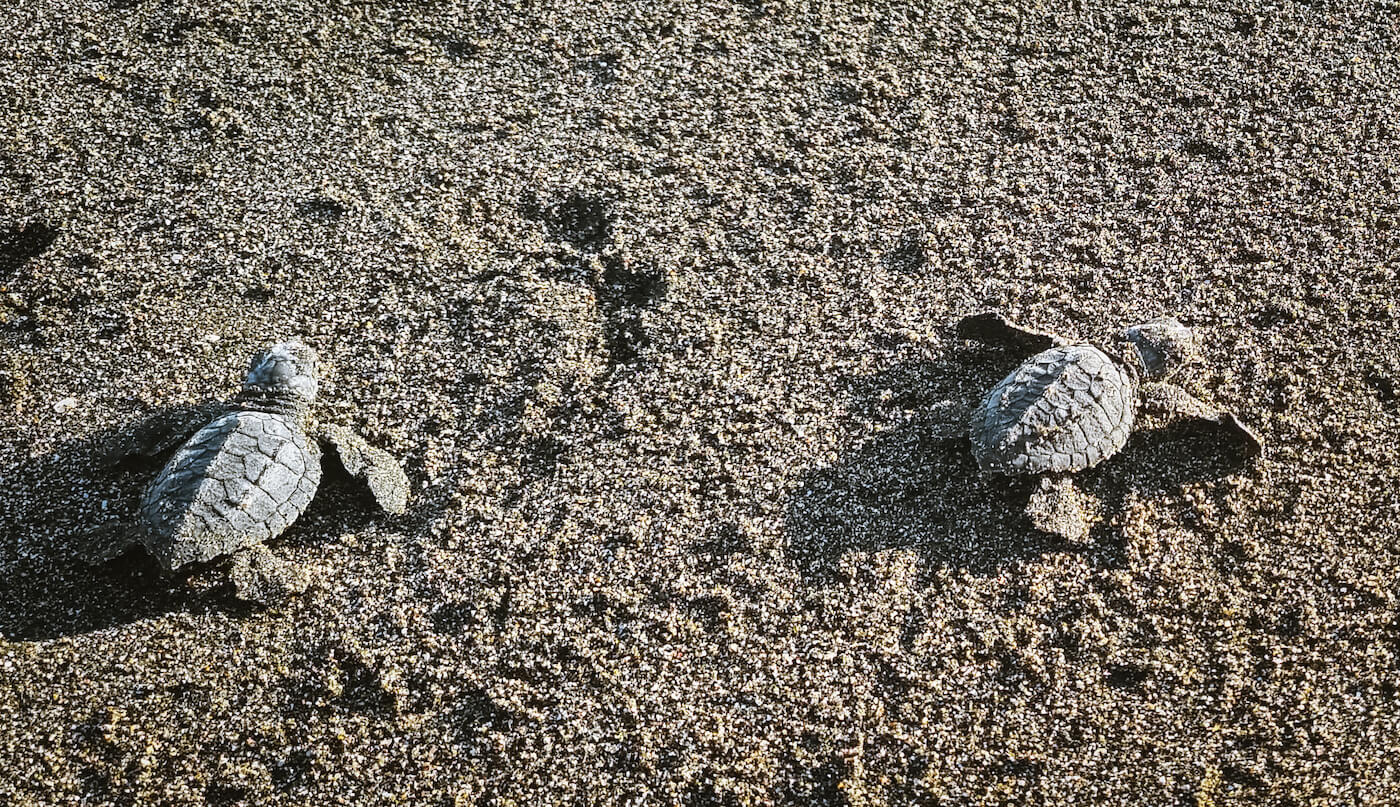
{"points": [[657, 307]]}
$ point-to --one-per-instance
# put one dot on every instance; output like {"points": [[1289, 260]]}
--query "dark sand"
{"points": [[657, 308]]}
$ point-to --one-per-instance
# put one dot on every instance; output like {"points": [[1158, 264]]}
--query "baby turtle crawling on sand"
{"points": [[246, 476], [1072, 405]]}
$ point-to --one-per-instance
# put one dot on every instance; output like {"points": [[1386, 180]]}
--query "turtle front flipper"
{"points": [[991, 328], [1058, 508], [1174, 403], [385, 476], [161, 432], [261, 577], [106, 542]]}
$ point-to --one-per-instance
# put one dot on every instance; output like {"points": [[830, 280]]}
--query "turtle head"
{"points": [[1161, 346], [283, 374]]}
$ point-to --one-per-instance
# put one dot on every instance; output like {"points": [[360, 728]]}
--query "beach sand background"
{"points": [[656, 305]]}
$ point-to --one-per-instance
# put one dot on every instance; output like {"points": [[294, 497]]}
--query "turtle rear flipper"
{"points": [[991, 328], [1175, 403], [385, 476], [1058, 508], [261, 577]]}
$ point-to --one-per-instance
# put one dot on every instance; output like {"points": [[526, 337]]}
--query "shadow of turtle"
{"points": [[57, 507], [916, 485], [52, 507]]}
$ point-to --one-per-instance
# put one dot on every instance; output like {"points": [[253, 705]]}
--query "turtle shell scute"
{"points": [[239, 481], [1063, 410]]}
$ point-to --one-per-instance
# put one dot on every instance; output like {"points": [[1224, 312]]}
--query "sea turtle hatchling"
{"points": [[1072, 405], [245, 477]]}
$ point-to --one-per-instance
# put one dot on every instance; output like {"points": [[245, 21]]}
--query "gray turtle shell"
{"points": [[1063, 410], [239, 481]]}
